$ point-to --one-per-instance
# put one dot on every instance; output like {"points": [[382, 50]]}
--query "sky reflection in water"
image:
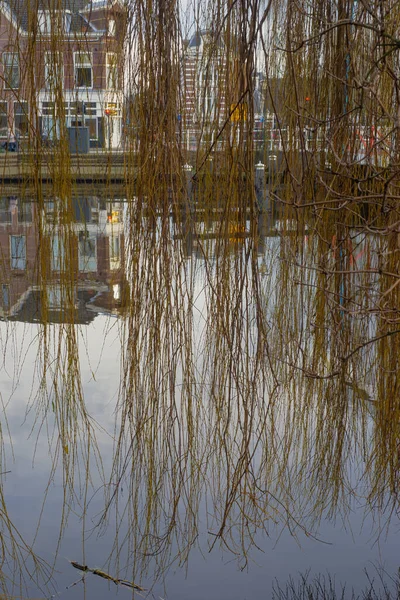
{"points": [[29, 449], [213, 575]]}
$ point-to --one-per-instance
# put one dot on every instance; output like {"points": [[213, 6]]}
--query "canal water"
{"points": [[150, 427]]}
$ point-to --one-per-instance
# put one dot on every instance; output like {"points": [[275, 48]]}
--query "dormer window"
{"points": [[44, 22], [111, 27], [67, 22], [54, 21]]}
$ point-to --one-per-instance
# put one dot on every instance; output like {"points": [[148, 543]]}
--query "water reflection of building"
{"points": [[62, 262], [203, 232]]}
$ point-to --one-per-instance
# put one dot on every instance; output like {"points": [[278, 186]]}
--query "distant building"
{"points": [[205, 78], [60, 68], [214, 108]]}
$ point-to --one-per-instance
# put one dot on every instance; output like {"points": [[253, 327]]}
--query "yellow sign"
{"points": [[111, 109], [113, 217], [239, 112]]}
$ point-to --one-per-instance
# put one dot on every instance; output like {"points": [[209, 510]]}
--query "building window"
{"points": [[3, 118], [25, 212], [54, 21], [5, 210], [44, 21], [83, 69], [53, 71], [67, 21], [21, 120], [50, 123], [83, 108], [18, 251], [111, 27], [90, 108], [11, 70], [111, 71]]}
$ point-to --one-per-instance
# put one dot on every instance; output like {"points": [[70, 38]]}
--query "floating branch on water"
{"points": [[104, 575]]}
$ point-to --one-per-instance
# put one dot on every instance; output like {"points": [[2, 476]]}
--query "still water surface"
{"points": [[57, 508]]}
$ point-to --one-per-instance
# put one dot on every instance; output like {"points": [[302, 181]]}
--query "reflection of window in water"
{"points": [[18, 251], [5, 289], [53, 70], [86, 210], [94, 210], [21, 118], [5, 212], [87, 252], [59, 296], [52, 211], [3, 119], [114, 251], [57, 253], [116, 291], [54, 297], [25, 212], [92, 125], [50, 121]]}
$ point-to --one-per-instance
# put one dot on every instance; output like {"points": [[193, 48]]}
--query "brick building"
{"points": [[60, 67], [214, 107]]}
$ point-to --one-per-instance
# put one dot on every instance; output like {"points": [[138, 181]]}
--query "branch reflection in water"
{"points": [[254, 385]]}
